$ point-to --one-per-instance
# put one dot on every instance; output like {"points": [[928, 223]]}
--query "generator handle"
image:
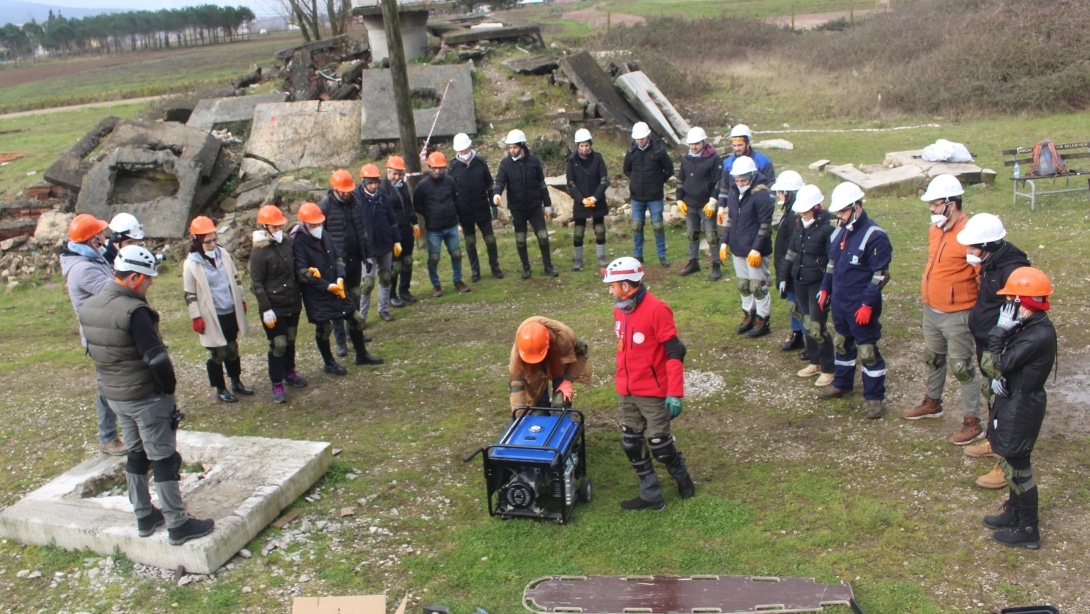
{"points": [[473, 454]]}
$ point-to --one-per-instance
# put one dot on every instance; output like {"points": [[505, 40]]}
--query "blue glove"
{"points": [[999, 387], [673, 405]]}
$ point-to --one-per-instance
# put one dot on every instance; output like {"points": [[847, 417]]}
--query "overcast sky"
{"points": [[259, 7]]}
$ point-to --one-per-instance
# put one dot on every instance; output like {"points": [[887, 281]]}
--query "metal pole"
{"points": [[391, 21]]}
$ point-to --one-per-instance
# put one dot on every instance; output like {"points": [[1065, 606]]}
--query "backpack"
{"points": [[1046, 161]]}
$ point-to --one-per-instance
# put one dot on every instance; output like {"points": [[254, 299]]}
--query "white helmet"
{"points": [[640, 130], [982, 228], [844, 196], [808, 197], [515, 137], [582, 135], [625, 268], [788, 181], [462, 142], [741, 130], [942, 186], [696, 135], [126, 226], [743, 165], [136, 259]]}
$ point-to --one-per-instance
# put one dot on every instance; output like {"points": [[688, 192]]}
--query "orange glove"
{"points": [[565, 389], [589, 201], [709, 209], [337, 289], [723, 252], [397, 250], [416, 231], [198, 325], [754, 258], [315, 273], [496, 199], [682, 208], [721, 216]]}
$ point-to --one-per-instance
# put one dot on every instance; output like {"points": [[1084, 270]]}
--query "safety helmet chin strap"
{"points": [[125, 281], [617, 285]]}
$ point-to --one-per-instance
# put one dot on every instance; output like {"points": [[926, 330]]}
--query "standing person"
{"points": [[217, 307], [985, 247], [436, 198], [274, 283], [859, 258], [408, 230], [475, 208], [804, 264], [587, 183], [125, 229], [747, 224], [697, 197], [321, 273], [528, 199], [545, 359], [345, 224], [648, 166], [138, 380], [381, 222], [786, 188], [949, 289], [86, 273], [1021, 353], [650, 380], [740, 137]]}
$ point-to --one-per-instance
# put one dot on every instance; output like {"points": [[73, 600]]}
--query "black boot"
{"points": [[1007, 518], [760, 327], [717, 272], [524, 256], [362, 356], [1024, 534], [692, 267], [747, 322], [494, 260], [794, 342], [547, 259], [403, 286], [685, 487], [331, 367], [234, 372], [474, 263], [216, 379]]}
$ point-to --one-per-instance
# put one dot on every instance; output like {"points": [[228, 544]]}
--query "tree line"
{"points": [[118, 32]]}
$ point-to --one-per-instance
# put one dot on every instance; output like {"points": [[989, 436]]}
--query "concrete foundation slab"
{"points": [[458, 114], [967, 173], [654, 106], [69, 169], [414, 32], [899, 181], [597, 87], [309, 133], [244, 485], [212, 111]]}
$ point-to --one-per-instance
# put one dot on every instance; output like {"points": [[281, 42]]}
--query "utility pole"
{"points": [[402, 97]]}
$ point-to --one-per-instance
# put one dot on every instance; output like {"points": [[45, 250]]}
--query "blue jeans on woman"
{"points": [[436, 239]]}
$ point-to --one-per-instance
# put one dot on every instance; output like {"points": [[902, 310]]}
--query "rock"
{"points": [[774, 144], [53, 227], [13, 242]]}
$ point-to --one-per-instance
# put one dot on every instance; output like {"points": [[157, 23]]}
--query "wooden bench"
{"points": [[1068, 151]]}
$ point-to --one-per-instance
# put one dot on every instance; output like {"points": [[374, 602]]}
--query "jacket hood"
{"points": [[709, 151], [261, 238], [73, 253]]}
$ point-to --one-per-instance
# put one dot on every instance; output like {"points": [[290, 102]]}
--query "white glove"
{"points": [[999, 387], [269, 318], [783, 288], [496, 199], [548, 211], [593, 200], [1007, 315]]}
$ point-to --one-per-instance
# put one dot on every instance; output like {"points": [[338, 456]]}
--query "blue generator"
{"points": [[538, 467]]}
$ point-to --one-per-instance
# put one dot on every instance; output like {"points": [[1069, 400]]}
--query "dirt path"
{"points": [[77, 107]]}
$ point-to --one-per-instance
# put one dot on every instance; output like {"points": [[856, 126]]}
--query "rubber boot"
{"points": [[524, 256], [747, 322], [547, 259], [216, 379], [692, 267], [600, 251], [494, 260], [717, 272], [331, 365], [577, 262], [362, 356], [234, 372]]}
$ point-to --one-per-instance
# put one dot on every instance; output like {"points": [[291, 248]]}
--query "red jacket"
{"points": [[642, 366], [949, 281]]}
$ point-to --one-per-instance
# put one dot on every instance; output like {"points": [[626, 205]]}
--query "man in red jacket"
{"points": [[650, 380]]}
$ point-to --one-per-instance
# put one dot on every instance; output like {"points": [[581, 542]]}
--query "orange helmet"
{"points": [[202, 225], [396, 162], [85, 227], [369, 171], [271, 215], [342, 181], [310, 213], [1027, 281], [436, 159], [533, 342]]}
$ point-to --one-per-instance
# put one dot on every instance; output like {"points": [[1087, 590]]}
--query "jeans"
{"points": [[639, 214], [436, 239]]}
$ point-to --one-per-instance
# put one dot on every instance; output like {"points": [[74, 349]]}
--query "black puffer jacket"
{"points": [[993, 276], [273, 275], [437, 202], [811, 251], [322, 305], [338, 215], [474, 189], [698, 177], [784, 232], [401, 200], [749, 222], [1025, 358], [524, 180], [647, 170], [588, 177], [379, 217]]}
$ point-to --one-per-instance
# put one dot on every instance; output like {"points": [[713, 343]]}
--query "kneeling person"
{"points": [[546, 358]]}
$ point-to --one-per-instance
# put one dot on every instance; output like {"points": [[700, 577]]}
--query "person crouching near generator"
{"points": [[213, 294], [545, 359], [273, 281], [1021, 353], [650, 380], [138, 382]]}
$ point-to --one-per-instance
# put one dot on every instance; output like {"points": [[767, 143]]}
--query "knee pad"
{"points": [[637, 227], [632, 445], [600, 233], [658, 226], [356, 321], [934, 361], [542, 235], [433, 260], [279, 346], [712, 238], [166, 470], [815, 330], [384, 277], [758, 288], [578, 234], [217, 355], [520, 239], [490, 239], [743, 287], [293, 331], [963, 370], [406, 264], [793, 310], [367, 286], [456, 256], [231, 350], [356, 293], [322, 330], [868, 354], [662, 448], [840, 342], [137, 462], [692, 235], [470, 239]]}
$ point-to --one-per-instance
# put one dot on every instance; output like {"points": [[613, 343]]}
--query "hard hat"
{"points": [[788, 181], [436, 159], [844, 195], [982, 228], [342, 181], [369, 171], [515, 137], [533, 342], [640, 130], [395, 162], [741, 130], [625, 268], [582, 135], [696, 135], [310, 213], [84, 227], [808, 197], [126, 226], [743, 165], [462, 142], [202, 225], [942, 186], [135, 259], [270, 215], [1027, 281]]}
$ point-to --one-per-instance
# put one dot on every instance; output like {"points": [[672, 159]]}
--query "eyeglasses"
{"points": [[211, 241]]}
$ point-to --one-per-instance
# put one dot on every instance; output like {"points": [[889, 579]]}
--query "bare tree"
{"points": [[312, 15]]}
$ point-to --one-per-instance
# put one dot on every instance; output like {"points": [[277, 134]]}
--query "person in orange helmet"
{"points": [[546, 358], [436, 198], [378, 213], [408, 229], [346, 226]]}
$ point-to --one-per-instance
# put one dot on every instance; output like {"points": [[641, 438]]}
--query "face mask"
{"points": [[742, 190], [938, 220], [211, 254], [278, 236], [807, 223], [973, 260], [101, 249], [517, 158], [315, 232], [466, 157]]}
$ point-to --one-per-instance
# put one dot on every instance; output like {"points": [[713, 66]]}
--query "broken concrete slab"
{"points": [[69, 169], [819, 165], [244, 484], [653, 105], [413, 19], [458, 113], [900, 181], [212, 111], [291, 135], [52, 227], [967, 173], [530, 32], [774, 144], [597, 87], [270, 189], [532, 65]]}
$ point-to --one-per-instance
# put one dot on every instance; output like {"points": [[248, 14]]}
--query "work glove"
{"points": [[673, 405], [269, 318], [315, 273], [823, 300], [495, 213], [245, 307], [999, 387], [682, 208], [754, 258], [397, 250], [1007, 316], [589, 201], [721, 216], [783, 289], [709, 209], [416, 231], [198, 325], [565, 389], [863, 314], [723, 252], [548, 212], [496, 199], [337, 288], [368, 265]]}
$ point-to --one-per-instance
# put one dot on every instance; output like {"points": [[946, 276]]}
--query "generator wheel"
{"points": [[585, 492]]}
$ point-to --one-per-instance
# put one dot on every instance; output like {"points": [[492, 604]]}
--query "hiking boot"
{"points": [[225, 395], [832, 392], [333, 368], [824, 380], [365, 358], [114, 448], [638, 504], [526, 273], [497, 272], [146, 526], [396, 302], [747, 322], [692, 267], [437, 291], [809, 371], [760, 327], [239, 387], [474, 277], [295, 380], [662, 261], [279, 395], [717, 272], [874, 409], [804, 356], [342, 349], [192, 529], [385, 316], [550, 271], [970, 432], [794, 342], [1006, 519], [685, 488], [408, 297], [577, 266], [462, 287], [993, 480], [928, 408], [980, 449], [1024, 536]]}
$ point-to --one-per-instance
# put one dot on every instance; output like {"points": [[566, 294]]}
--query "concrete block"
{"points": [[69, 169], [819, 166], [458, 113], [774, 144], [310, 133], [212, 111], [900, 181], [597, 87], [653, 106], [531, 65], [52, 227]]}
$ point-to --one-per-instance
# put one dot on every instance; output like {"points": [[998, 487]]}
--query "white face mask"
{"points": [[973, 260], [517, 158], [807, 223], [315, 232], [939, 220], [278, 236], [210, 253], [101, 249], [742, 189], [466, 156]]}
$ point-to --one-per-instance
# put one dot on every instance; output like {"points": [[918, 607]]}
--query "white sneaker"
{"points": [[809, 371], [824, 379]]}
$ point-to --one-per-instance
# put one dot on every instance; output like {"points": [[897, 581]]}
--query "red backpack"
{"points": [[1046, 161]]}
